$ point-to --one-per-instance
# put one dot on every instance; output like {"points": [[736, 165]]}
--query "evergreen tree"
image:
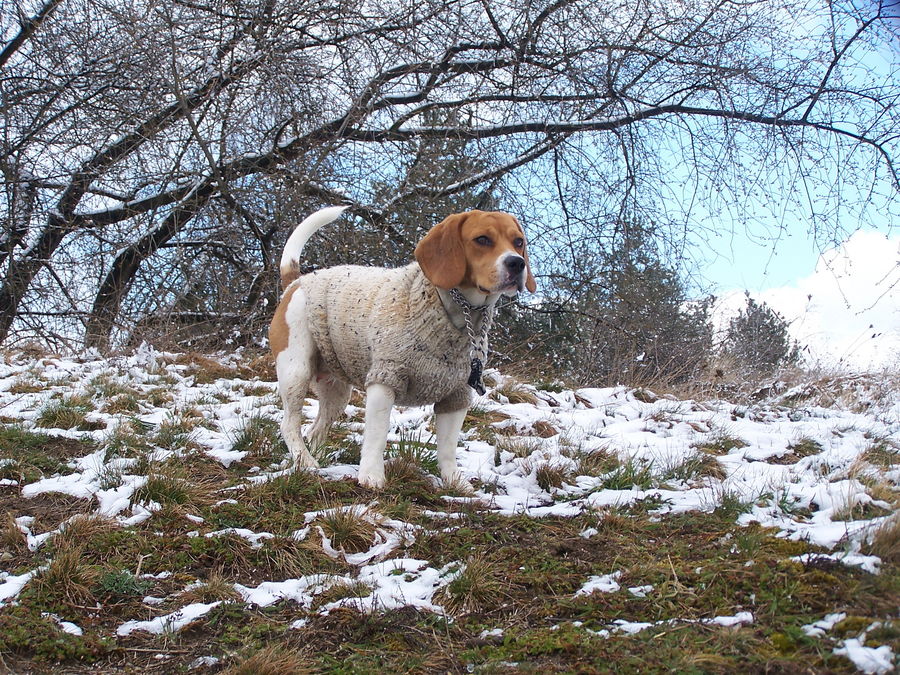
{"points": [[758, 339], [625, 317]]}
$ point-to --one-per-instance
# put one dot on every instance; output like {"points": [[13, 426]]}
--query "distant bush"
{"points": [[758, 341]]}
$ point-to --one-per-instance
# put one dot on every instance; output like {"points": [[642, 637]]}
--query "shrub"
{"points": [[758, 340]]}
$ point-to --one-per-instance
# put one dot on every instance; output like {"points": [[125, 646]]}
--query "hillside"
{"points": [[151, 526]]}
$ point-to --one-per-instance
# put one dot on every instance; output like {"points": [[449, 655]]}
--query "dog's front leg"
{"points": [[447, 426], [379, 401]]}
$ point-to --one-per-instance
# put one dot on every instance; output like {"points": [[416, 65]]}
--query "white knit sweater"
{"points": [[376, 325]]}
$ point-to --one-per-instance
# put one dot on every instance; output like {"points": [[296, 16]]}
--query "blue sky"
{"points": [[760, 263]]}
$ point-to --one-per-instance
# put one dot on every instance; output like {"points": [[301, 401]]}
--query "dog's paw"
{"points": [[372, 480], [305, 461]]}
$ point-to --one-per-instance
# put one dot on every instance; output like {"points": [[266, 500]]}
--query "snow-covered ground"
{"points": [[805, 497]]}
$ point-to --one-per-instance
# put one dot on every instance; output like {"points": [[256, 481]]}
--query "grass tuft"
{"points": [[477, 585], [80, 529], [515, 392], [552, 475], [883, 452], [67, 413], [167, 484], [67, 581], [720, 442], [630, 474], [216, 588], [12, 539], [805, 447], [273, 661], [696, 467], [885, 541], [414, 450], [348, 528], [260, 438]]}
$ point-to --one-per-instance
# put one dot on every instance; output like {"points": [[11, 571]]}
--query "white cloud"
{"points": [[847, 312]]}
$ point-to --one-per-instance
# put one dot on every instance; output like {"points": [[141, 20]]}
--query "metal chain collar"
{"points": [[479, 344]]}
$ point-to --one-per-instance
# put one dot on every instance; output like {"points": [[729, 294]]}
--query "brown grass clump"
{"points": [[551, 476], [478, 585], [348, 529], [518, 445], [882, 452], [404, 474], [81, 529], [215, 588], [68, 579], [885, 542], [273, 661], [205, 370], [597, 463], [263, 367], [168, 485], [11, 537]]}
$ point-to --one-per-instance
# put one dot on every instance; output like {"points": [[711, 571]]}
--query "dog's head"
{"points": [[485, 250]]}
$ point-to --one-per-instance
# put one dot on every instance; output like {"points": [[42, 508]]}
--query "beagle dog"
{"points": [[406, 336]]}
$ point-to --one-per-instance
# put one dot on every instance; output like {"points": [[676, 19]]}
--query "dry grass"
{"points": [[273, 661], [348, 529], [12, 539], [216, 588], [205, 369], [519, 446], [404, 474], [515, 392], [597, 462], [885, 541], [68, 579], [169, 485], [883, 452], [80, 529], [551, 475], [478, 585]]}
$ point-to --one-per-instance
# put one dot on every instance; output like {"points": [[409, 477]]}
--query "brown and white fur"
{"points": [[483, 254]]}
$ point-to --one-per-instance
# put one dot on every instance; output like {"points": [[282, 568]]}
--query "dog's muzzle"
{"points": [[514, 267]]}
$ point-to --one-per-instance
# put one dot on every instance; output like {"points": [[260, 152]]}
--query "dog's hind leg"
{"points": [[295, 366], [334, 395]]}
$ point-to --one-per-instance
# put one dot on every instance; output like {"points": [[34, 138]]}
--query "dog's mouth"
{"points": [[509, 288]]}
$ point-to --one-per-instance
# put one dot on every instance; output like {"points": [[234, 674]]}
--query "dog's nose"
{"points": [[515, 264]]}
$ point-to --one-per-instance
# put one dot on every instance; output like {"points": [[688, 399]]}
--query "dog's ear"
{"points": [[530, 283], [441, 255]]}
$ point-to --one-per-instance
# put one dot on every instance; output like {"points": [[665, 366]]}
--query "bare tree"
{"points": [[149, 149]]}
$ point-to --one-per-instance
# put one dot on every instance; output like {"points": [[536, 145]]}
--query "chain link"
{"points": [[479, 344]]}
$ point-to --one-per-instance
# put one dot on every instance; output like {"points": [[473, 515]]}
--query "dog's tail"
{"points": [[290, 259]]}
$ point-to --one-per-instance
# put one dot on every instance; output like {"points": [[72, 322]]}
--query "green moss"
{"points": [[25, 632], [852, 626]]}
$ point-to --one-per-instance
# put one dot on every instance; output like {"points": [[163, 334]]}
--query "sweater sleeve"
{"points": [[389, 373]]}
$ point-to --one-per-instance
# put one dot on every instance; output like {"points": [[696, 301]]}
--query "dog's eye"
{"points": [[518, 242], [483, 241]]}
